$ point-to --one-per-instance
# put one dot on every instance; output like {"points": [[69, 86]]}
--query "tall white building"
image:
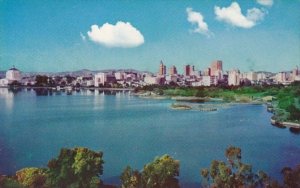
{"points": [[234, 77], [281, 77], [252, 76], [295, 74], [261, 76]]}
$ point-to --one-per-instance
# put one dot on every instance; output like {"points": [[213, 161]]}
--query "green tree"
{"points": [[41, 80], [291, 177], [9, 182], [200, 92], [161, 173], [32, 177], [233, 155], [78, 167], [15, 83], [235, 174], [294, 112], [130, 178]]}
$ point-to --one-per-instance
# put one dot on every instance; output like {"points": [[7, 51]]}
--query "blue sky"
{"points": [[40, 35]]}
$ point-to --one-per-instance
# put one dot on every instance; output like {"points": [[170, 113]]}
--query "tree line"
{"points": [[82, 168]]}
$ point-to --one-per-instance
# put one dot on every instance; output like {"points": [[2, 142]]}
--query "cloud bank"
{"points": [[197, 19], [233, 15], [123, 35], [268, 3]]}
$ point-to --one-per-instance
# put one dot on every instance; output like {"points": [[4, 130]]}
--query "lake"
{"points": [[34, 125]]}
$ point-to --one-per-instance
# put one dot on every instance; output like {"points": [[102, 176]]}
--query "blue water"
{"points": [[132, 131]]}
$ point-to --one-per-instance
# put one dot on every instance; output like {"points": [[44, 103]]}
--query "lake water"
{"points": [[132, 131]]}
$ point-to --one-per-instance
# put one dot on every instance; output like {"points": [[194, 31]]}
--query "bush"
{"points": [[32, 177]]}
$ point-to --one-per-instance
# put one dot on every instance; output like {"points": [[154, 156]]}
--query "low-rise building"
{"points": [[281, 77], [120, 75], [172, 78], [103, 78], [151, 80], [203, 81]]}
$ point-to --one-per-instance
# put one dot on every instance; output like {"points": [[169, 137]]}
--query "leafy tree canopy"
{"points": [[78, 167], [32, 177]]}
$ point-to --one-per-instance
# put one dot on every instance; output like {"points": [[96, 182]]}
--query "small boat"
{"points": [[295, 130]]}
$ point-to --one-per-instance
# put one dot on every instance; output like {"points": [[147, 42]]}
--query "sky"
{"points": [[69, 35]]}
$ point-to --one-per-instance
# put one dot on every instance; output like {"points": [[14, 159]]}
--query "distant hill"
{"points": [[83, 72]]}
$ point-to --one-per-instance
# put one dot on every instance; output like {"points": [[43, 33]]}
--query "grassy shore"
{"points": [[284, 100]]}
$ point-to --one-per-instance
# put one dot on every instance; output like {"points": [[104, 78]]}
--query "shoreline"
{"points": [[69, 88]]}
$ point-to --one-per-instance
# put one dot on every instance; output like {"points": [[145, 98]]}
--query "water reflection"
{"points": [[109, 92], [43, 91], [8, 96]]}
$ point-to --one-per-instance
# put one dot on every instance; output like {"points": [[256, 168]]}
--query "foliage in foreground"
{"points": [[78, 167], [232, 174], [81, 168], [73, 168], [236, 174], [160, 173], [32, 177]]}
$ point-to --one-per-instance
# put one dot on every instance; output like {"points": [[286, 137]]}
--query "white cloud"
{"points": [[122, 35], [233, 15], [255, 14], [265, 2], [197, 19], [82, 36]]}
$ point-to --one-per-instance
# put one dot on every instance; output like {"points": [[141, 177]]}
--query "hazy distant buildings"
{"points": [[281, 77], [173, 70], [162, 69], [120, 76], [216, 67], [207, 72], [152, 80], [189, 70], [261, 76], [103, 78], [296, 74], [11, 76], [234, 77], [203, 81], [250, 77], [211, 76]]}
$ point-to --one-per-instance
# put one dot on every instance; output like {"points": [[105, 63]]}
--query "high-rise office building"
{"points": [[162, 69], [234, 78], [216, 67], [189, 70], [207, 72], [173, 70]]}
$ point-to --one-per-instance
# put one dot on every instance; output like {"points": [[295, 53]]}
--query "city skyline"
{"points": [[68, 36]]}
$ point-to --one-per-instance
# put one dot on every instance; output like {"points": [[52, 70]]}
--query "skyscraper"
{"points": [[189, 70], [162, 69], [216, 67], [234, 77], [173, 70], [207, 72]]}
